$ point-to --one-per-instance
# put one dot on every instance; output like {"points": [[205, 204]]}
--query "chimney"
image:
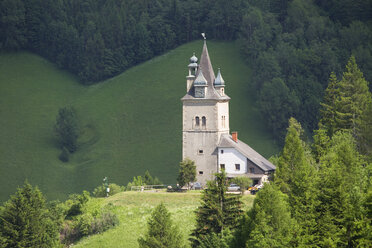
{"points": [[234, 136]]}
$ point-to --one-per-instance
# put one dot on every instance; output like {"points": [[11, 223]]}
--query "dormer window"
{"points": [[222, 92], [197, 121], [204, 121]]}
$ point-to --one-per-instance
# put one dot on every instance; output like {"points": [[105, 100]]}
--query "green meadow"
{"points": [[130, 123], [133, 210]]}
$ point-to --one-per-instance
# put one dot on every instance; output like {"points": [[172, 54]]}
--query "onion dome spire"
{"points": [[219, 80], [193, 59]]}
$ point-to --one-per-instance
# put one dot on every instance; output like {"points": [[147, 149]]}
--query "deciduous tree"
{"points": [[67, 128], [187, 173]]}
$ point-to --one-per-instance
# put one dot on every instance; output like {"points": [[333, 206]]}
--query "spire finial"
{"points": [[205, 38]]}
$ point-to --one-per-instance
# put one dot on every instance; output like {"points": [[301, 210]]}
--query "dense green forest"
{"points": [[292, 45], [98, 39]]}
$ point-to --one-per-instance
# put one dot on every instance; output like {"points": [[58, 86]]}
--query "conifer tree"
{"points": [[329, 107], [218, 210], [161, 233], [268, 223], [296, 176], [355, 97], [26, 222], [321, 142], [365, 132], [345, 101], [342, 214]]}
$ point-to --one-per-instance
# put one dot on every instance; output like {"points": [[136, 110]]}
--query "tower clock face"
{"points": [[199, 92]]}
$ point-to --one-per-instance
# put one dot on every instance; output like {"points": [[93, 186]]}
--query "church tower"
{"points": [[205, 116]]}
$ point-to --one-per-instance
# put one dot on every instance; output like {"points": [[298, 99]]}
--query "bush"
{"points": [[105, 222], [146, 179], [243, 183], [100, 191], [76, 203]]}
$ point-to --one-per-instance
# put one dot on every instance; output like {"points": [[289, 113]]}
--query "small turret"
{"points": [[200, 85], [192, 71], [219, 83]]}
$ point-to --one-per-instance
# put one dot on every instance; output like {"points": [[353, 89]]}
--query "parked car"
{"points": [[197, 186], [233, 187]]}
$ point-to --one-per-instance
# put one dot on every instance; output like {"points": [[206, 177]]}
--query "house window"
{"points": [[204, 121], [200, 151], [197, 121], [222, 92], [251, 170], [222, 166], [237, 167], [200, 172], [223, 121], [221, 151]]}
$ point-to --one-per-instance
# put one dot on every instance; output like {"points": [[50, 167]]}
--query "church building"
{"points": [[206, 135]]}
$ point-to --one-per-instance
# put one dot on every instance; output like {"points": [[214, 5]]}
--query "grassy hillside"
{"points": [[132, 122], [134, 209]]}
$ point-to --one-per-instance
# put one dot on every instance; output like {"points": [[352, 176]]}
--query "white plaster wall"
{"points": [[230, 157], [223, 110]]}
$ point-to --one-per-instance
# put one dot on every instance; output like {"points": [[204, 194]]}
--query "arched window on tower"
{"points": [[197, 121], [204, 121], [223, 121]]}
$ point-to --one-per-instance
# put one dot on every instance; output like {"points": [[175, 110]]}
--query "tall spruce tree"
{"points": [[296, 176], [365, 132], [355, 97], [218, 210], [161, 233], [26, 222], [268, 223], [342, 219], [345, 101], [329, 108]]}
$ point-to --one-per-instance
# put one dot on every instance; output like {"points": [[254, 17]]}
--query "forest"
{"points": [[292, 46]]}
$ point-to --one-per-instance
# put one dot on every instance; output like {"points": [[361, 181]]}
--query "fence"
{"points": [[147, 187]]}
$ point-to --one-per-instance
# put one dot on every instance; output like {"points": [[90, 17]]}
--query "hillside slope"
{"points": [[134, 209], [131, 123]]}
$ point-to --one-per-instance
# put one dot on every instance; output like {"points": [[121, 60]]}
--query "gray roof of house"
{"points": [[226, 141], [208, 73]]}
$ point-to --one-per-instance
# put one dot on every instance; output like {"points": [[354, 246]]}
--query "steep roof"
{"points": [[206, 65], [226, 141], [208, 73]]}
